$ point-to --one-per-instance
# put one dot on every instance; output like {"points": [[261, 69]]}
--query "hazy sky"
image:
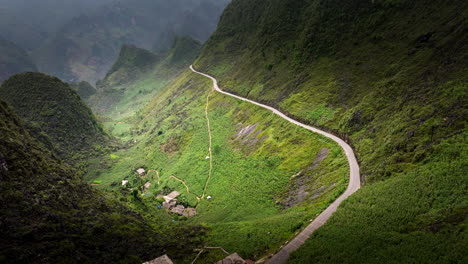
{"points": [[46, 15]]}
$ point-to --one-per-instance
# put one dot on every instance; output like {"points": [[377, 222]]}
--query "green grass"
{"points": [[360, 70], [367, 72], [419, 214], [250, 174]]}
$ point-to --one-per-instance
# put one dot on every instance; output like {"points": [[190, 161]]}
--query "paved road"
{"points": [[354, 182]]}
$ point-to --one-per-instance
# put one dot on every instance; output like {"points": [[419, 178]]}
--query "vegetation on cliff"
{"points": [[49, 215], [54, 114], [388, 76]]}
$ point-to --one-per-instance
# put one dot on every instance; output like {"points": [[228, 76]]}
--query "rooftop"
{"points": [[171, 196], [161, 260]]}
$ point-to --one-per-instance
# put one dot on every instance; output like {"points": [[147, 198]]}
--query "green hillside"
{"points": [[55, 114], [136, 77], [131, 63], [49, 215], [389, 76], [184, 51], [13, 60], [257, 160]]}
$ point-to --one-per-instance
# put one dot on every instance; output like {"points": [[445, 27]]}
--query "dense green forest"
{"points": [[49, 215], [55, 114]]}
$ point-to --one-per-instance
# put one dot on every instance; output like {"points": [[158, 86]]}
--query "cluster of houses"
{"points": [[235, 259], [170, 203], [231, 259], [141, 172], [170, 200], [161, 260]]}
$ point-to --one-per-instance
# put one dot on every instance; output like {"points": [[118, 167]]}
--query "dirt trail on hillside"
{"points": [[354, 181], [210, 157], [210, 137], [186, 186]]}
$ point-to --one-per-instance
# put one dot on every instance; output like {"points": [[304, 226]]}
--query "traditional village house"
{"points": [[232, 259], [173, 195], [141, 172], [161, 260]]}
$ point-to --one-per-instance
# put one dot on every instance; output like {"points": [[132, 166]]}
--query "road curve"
{"points": [[354, 181]]}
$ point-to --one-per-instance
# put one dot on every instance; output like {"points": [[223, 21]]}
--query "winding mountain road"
{"points": [[354, 181]]}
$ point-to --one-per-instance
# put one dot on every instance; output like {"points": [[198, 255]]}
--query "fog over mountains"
{"points": [[29, 22], [79, 40]]}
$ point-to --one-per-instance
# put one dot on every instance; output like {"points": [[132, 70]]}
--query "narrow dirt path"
{"points": [[354, 181], [157, 174], [210, 137], [210, 153], [186, 186]]}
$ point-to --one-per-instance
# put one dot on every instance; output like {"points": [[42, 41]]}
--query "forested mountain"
{"points": [[13, 59], [389, 76], [84, 89], [131, 63], [138, 74], [54, 114], [86, 47], [49, 215]]}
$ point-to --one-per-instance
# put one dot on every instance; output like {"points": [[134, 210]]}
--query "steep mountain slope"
{"points": [[49, 216], [86, 47], [134, 62], [84, 89], [136, 77], [131, 63], [55, 114], [184, 51], [389, 76], [13, 60]]}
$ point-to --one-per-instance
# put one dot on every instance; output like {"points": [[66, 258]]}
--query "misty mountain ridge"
{"points": [[139, 74], [30, 22], [86, 47]]}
